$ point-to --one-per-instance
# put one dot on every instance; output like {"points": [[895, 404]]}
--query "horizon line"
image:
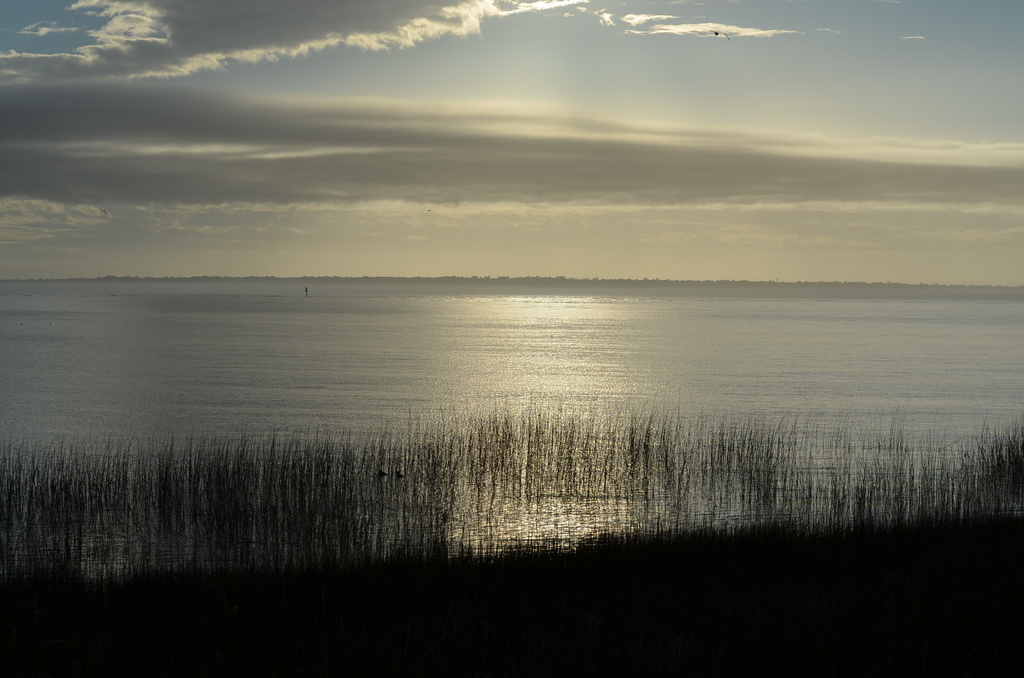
{"points": [[491, 279]]}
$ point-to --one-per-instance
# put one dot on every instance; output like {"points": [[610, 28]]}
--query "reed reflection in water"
{"points": [[476, 485]]}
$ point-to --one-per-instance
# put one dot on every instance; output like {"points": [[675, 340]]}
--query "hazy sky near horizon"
{"points": [[875, 140]]}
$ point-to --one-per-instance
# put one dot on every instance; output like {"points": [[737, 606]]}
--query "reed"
{"points": [[478, 486]]}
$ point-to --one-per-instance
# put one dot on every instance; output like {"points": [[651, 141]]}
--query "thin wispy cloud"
{"points": [[41, 28], [523, 7], [168, 38], [710, 29], [639, 19]]}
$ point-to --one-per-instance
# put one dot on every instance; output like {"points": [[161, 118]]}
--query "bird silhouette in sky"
{"points": [[717, 33], [103, 210]]}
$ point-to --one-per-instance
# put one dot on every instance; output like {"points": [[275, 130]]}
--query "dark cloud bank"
{"points": [[146, 145]]}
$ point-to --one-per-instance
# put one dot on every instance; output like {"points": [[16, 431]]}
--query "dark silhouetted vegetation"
{"points": [[518, 544]]}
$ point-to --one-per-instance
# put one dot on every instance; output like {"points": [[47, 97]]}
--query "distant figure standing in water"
{"points": [[307, 291]]}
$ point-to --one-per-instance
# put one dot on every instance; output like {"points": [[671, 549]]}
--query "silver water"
{"points": [[91, 360]]}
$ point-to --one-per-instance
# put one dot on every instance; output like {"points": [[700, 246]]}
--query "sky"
{"points": [[794, 140]]}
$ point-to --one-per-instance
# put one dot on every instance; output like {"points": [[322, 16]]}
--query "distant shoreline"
{"points": [[455, 286]]}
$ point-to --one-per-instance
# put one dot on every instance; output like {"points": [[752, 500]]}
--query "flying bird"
{"points": [[725, 34], [103, 210]]}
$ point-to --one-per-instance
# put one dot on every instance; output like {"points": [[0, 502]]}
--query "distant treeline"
{"points": [[456, 285]]}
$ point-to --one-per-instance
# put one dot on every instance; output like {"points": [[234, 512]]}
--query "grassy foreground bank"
{"points": [[924, 600], [518, 545]]}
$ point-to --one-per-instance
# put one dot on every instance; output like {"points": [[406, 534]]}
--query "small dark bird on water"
{"points": [[382, 473], [399, 474]]}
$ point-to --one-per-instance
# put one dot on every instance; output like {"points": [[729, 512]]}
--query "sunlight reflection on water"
{"points": [[551, 521], [159, 364]]}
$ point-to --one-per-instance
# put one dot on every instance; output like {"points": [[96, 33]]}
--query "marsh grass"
{"points": [[531, 544], [478, 486]]}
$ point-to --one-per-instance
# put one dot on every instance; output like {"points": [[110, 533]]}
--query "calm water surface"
{"points": [[99, 361]]}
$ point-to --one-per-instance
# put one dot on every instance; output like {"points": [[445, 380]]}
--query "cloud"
{"points": [[166, 38], [521, 7], [139, 145], [708, 29], [39, 220], [41, 28], [638, 19], [912, 37]]}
